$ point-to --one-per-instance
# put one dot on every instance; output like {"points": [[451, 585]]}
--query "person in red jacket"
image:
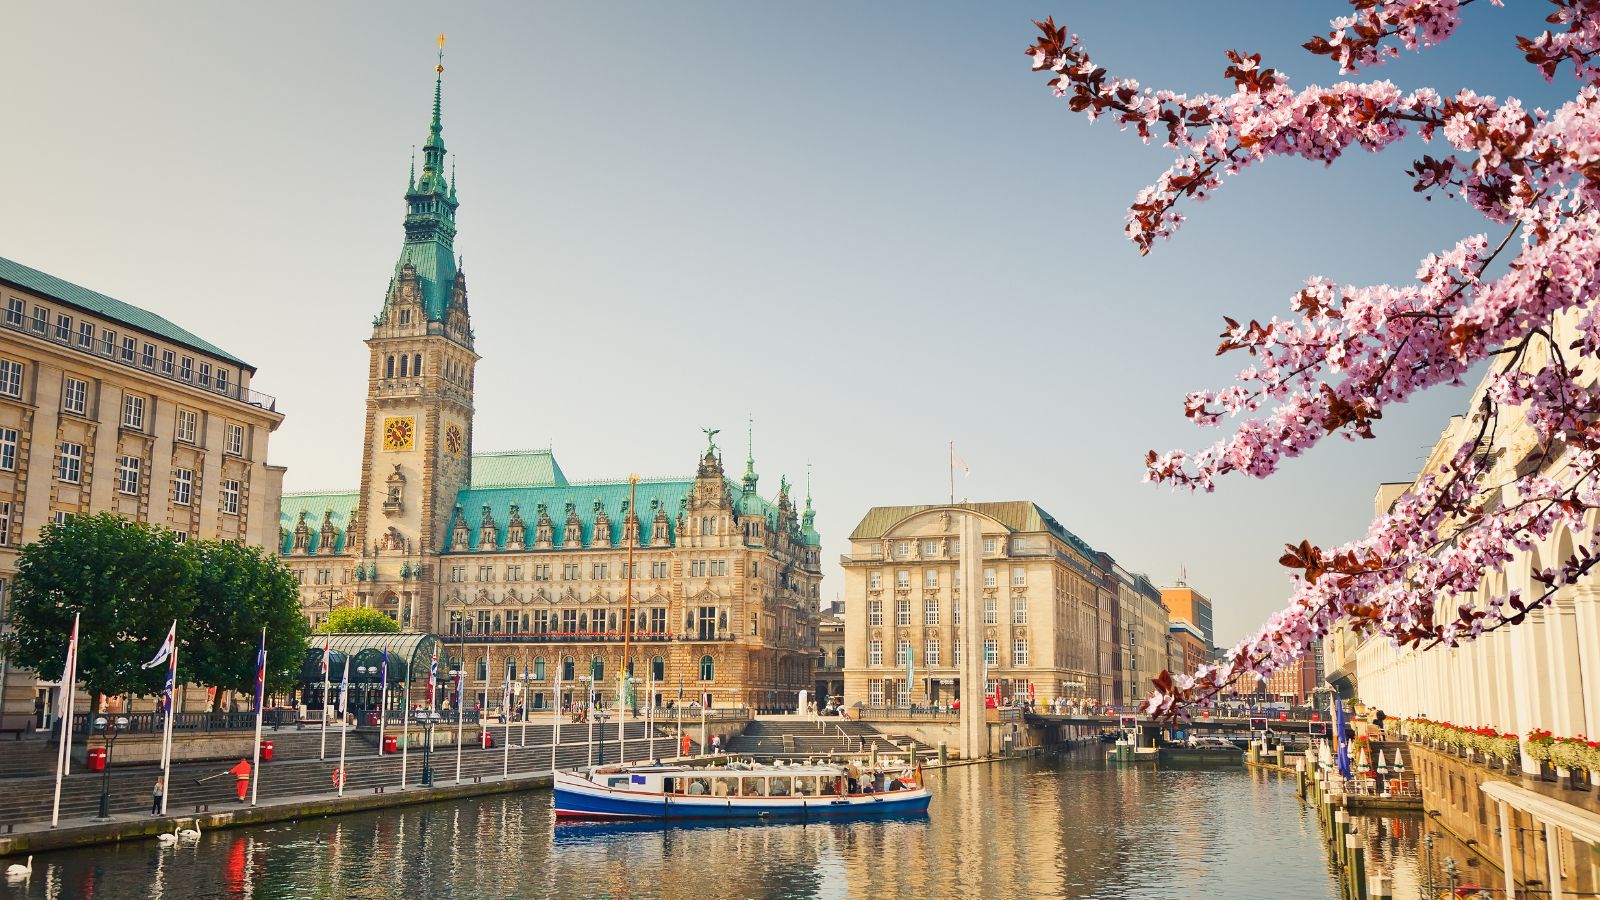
{"points": [[241, 774]]}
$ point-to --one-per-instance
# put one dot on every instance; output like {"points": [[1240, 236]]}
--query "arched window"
{"points": [[708, 668], [416, 365], [403, 360], [569, 668], [538, 668], [483, 668], [597, 668], [838, 657], [511, 670], [658, 669], [388, 368]]}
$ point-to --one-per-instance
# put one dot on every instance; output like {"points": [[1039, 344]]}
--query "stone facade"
{"points": [[1141, 630], [105, 407], [524, 573], [1047, 610]]}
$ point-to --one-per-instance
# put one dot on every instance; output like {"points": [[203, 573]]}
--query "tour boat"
{"points": [[737, 791]]}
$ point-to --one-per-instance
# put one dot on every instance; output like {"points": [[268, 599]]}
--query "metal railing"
{"points": [[155, 722], [135, 359], [580, 637]]}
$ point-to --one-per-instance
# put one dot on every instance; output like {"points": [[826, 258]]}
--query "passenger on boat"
{"points": [[697, 787]]}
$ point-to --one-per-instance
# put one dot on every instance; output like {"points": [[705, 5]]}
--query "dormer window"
{"points": [[405, 317]]}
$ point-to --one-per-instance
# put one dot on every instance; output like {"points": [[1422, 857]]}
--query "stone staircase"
{"points": [[295, 770], [805, 739]]}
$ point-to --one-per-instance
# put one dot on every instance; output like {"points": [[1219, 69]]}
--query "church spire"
{"points": [[431, 215]]}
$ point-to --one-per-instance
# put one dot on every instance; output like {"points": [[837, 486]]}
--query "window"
{"points": [[708, 668], [186, 368], [988, 578], [5, 523], [697, 568], [486, 573], [902, 612], [874, 653], [719, 567], [15, 312], [168, 362], [458, 573], [930, 549], [658, 620], [63, 328], [569, 572], [597, 571], [513, 573], [130, 348], [182, 486], [990, 545], [10, 378], [233, 439], [902, 580], [991, 652], [1019, 652], [658, 569], [388, 367], [222, 379], [1019, 544], [930, 578], [902, 549], [541, 572], [955, 612], [658, 671], [1019, 576], [874, 612], [8, 449], [41, 320], [1019, 610], [148, 358], [86, 334], [404, 364], [955, 652], [128, 474], [59, 517], [133, 412], [230, 497], [930, 611], [205, 374], [538, 666], [74, 395], [902, 650], [875, 581], [991, 615], [71, 468], [181, 537], [930, 652], [187, 422], [875, 692]]}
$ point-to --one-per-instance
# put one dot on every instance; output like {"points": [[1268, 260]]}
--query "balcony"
{"points": [[109, 352]]}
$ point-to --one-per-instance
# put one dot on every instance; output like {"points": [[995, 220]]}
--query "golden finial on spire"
{"points": [[440, 67]]}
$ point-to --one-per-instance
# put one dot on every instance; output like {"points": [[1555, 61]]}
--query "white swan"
{"points": [[166, 839], [15, 872], [190, 833]]}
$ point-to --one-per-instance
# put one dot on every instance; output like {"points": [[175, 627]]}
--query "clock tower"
{"points": [[418, 428]]}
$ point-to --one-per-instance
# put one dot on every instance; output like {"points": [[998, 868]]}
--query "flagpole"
{"points": [[677, 747], [322, 752], [649, 712], [588, 711], [383, 699], [461, 714], [69, 684], [344, 729], [405, 729], [952, 473], [555, 716], [172, 706], [505, 701], [261, 687]]}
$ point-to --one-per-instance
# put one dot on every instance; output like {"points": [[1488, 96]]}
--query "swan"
{"points": [[167, 839], [190, 833], [15, 872]]}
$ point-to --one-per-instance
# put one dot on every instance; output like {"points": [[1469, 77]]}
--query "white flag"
{"points": [[956, 462], [166, 648]]}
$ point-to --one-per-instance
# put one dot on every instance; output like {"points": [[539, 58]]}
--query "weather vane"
{"points": [[440, 67]]}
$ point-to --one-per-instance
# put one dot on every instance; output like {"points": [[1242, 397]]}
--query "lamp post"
{"points": [[427, 718], [328, 596], [108, 729]]}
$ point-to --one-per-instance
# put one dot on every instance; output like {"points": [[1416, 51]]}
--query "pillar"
{"points": [[1564, 682], [1507, 861], [1586, 624], [1552, 835], [1523, 678]]}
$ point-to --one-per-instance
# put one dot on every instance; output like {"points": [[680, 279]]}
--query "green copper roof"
{"points": [[430, 222], [316, 505], [516, 468], [611, 495], [19, 275]]}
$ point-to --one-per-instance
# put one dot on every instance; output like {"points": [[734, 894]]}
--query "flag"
{"points": [[167, 646], [1340, 743], [344, 687], [956, 462], [325, 654], [383, 669], [461, 677], [680, 690], [261, 670], [433, 675]]}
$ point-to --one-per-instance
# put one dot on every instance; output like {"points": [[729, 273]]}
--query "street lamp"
{"points": [[108, 729], [328, 596], [427, 718]]}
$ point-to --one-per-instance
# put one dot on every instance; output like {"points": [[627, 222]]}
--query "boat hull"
{"points": [[581, 800]]}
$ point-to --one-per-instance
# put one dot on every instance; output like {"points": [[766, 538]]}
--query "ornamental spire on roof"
{"points": [[750, 456], [431, 213]]}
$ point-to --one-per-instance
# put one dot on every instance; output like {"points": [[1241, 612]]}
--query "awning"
{"points": [[410, 654]]}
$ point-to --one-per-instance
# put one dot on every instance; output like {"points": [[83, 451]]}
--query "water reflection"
{"points": [[1071, 827]]}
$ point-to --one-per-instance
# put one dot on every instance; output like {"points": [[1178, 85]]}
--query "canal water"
{"points": [[1069, 826]]}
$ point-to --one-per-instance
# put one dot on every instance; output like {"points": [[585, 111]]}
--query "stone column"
{"points": [[1564, 682], [1586, 623], [1552, 835], [1523, 677], [1507, 861]]}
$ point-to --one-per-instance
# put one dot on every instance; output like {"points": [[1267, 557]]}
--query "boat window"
{"points": [[780, 786], [669, 785], [753, 787], [805, 786], [619, 782], [723, 787], [697, 787], [830, 785]]}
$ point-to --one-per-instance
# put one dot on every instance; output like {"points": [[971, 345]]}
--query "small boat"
{"points": [[738, 791]]}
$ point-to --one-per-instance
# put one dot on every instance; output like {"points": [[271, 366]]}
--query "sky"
{"points": [[868, 226]]}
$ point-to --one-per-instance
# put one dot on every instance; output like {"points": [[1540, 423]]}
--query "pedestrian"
{"points": [[156, 795]]}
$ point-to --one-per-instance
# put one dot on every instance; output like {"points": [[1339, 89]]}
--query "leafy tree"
{"points": [[239, 590], [128, 581], [358, 620], [1528, 462]]}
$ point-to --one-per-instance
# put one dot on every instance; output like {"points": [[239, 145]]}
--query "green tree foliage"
{"points": [[239, 591], [128, 581], [358, 620]]}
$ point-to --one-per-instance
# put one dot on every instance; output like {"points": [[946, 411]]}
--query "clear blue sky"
{"points": [[868, 225]]}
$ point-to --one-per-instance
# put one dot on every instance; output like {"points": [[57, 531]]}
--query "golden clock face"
{"points": [[399, 434], [453, 440]]}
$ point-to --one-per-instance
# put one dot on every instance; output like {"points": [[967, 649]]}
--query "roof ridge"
{"points": [[550, 450], [321, 493]]}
